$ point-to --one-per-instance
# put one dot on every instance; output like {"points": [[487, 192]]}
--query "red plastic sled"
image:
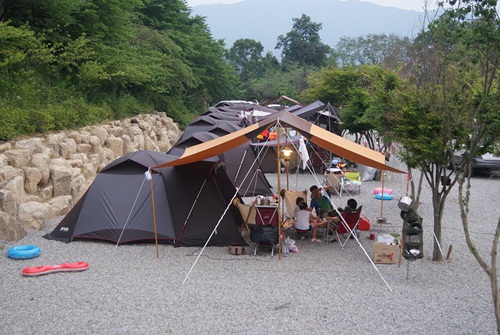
{"points": [[46, 269]]}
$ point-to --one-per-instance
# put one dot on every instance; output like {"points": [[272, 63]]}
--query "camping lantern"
{"points": [[413, 244], [287, 153]]}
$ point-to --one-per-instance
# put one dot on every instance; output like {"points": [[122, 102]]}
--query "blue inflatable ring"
{"points": [[385, 196], [23, 252]]}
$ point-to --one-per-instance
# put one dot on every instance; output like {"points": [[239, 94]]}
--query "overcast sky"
{"points": [[417, 5]]}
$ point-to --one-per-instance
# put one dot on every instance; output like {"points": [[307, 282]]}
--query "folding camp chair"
{"points": [[317, 162], [348, 225], [247, 213], [336, 180], [265, 231], [290, 202], [354, 183]]}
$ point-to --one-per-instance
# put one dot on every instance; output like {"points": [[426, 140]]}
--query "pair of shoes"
{"points": [[302, 237], [316, 240]]}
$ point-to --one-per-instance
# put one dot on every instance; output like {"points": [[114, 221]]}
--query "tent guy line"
{"points": [[148, 172], [210, 237]]}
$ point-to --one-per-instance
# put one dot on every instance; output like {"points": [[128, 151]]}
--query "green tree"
{"points": [[388, 51], [277, 82], [218, 79], [442, 104], [475, 26], [302, 45], [246, 56], [362, 95]]}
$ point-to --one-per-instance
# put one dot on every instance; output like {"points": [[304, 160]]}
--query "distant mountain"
{"points": [[265, 20]]}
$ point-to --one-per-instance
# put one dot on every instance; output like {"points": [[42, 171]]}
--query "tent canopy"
{"points": [[317, 135]]}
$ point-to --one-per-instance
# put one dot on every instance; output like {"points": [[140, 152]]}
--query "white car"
{"points": [[228, 103]]}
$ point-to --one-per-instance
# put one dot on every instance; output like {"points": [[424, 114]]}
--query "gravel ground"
{"points": [[320, 290]]}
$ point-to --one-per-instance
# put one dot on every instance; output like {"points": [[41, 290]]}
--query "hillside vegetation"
{"points": [[67, 63]]}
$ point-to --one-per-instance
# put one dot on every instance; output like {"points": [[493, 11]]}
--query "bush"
{"points": [[8, 127], [41, 121], [16, 122], [125, 106]]}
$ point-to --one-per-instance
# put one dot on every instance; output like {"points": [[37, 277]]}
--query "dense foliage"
{"points": [[67, 63], [302, 44]]}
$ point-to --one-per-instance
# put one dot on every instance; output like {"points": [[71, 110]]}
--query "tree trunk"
{"points": [[494, 277], [438, 214], [436, 252], [491, 271]]}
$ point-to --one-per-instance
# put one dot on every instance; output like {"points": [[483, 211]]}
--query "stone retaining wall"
{"points": [[42, 177]]}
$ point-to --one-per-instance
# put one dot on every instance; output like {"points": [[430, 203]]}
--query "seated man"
{"points": [[321, 203], [324, 208]]}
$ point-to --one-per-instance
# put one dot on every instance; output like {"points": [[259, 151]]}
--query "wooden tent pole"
{"points": [[279, 188], [408, 180], [382, 200], [154, 210]]}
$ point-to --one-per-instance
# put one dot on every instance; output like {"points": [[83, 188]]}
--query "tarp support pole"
{"points": [[128, 218], [278, 126], [382, 200], [154, 211], [239, 167], [190, 211]]}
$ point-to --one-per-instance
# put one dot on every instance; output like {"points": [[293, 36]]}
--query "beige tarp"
{"points": [[317, 135]]}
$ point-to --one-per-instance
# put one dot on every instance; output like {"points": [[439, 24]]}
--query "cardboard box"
{"points": [[384, 253]]}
